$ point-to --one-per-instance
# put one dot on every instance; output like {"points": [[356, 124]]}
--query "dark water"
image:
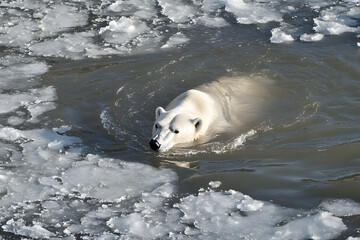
{"points": [[309, 153]]}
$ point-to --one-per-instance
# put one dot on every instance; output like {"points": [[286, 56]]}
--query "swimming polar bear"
{"points": [[186, 119], [197, 115]]}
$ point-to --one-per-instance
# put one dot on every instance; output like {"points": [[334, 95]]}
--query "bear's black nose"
{"points": [[155, 145]]}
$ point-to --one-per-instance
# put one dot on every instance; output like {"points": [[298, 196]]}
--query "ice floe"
{"points": [[337, 20], [59, 18], [64, 193], [260, 13], [311, 37], [123, 30], [20, 72], [177, 11], [76, 29], [278, 36], [176, 40], [36, 101]]}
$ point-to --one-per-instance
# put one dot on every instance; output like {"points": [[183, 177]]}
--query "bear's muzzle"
{"points": [[154, 144]]}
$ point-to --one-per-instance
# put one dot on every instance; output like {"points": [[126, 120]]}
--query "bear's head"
{"points": [[172, 128]]}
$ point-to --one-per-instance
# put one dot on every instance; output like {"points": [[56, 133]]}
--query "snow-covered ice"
{"points": [[260, 13], [311, 37], [177, 11], [123, 30], [176, 40], [121, 27], [278, 36]]}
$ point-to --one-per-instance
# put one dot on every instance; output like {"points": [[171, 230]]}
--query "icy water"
{"points": [[79, 85]]}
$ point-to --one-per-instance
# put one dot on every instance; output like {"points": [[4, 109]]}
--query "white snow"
{"points": [[214, 184], [337, 20], [74, 46], [133, 197], [251, 12], [123, 30], [34, 231], [112, 180], [341, 207], [15, 120], [177, 11], [311, 37], [278, 36], [36, 101], [142, 9], [61, 18], [322, 225], [212, 22], [215, 215], [19, 72], [176, 40]]}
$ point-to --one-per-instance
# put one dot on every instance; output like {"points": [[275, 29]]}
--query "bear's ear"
{"points": [[197, 122], [158, 112]]}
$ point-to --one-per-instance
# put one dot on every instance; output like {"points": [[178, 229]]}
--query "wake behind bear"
{"points": [[200, 114]]}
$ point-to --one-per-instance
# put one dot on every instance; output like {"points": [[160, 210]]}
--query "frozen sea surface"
{"points": [[80, 80]]}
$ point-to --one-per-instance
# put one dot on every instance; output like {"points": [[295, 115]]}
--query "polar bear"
{"points": [[229, 104], [187, 118]]}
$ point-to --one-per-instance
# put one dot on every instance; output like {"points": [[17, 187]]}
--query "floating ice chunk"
{"points": [[209, 204], [62, 129], [336, 20], [331, 27], [177, 11], [10, 102], [11, 134], [19, 227], [37, 101], [110, 180], [132, 223], [39, 108], [353, 238], [123, 30], [24, 4], [176, 40], [212, 5], [143, 9], [61, 18], [311, 37], [278, 36], [341, 207], [15, 120], [75, 46], [215, 184], [251, 13], [18, 34], [320, 226], [18, 72], [249, 205], [33, 100], [213, 22], [316, 4]]}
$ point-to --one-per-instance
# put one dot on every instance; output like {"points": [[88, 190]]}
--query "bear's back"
{"points": [[193, 101]]}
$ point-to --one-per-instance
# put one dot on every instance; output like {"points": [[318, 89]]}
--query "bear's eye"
{"points": [[176, 131]]}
